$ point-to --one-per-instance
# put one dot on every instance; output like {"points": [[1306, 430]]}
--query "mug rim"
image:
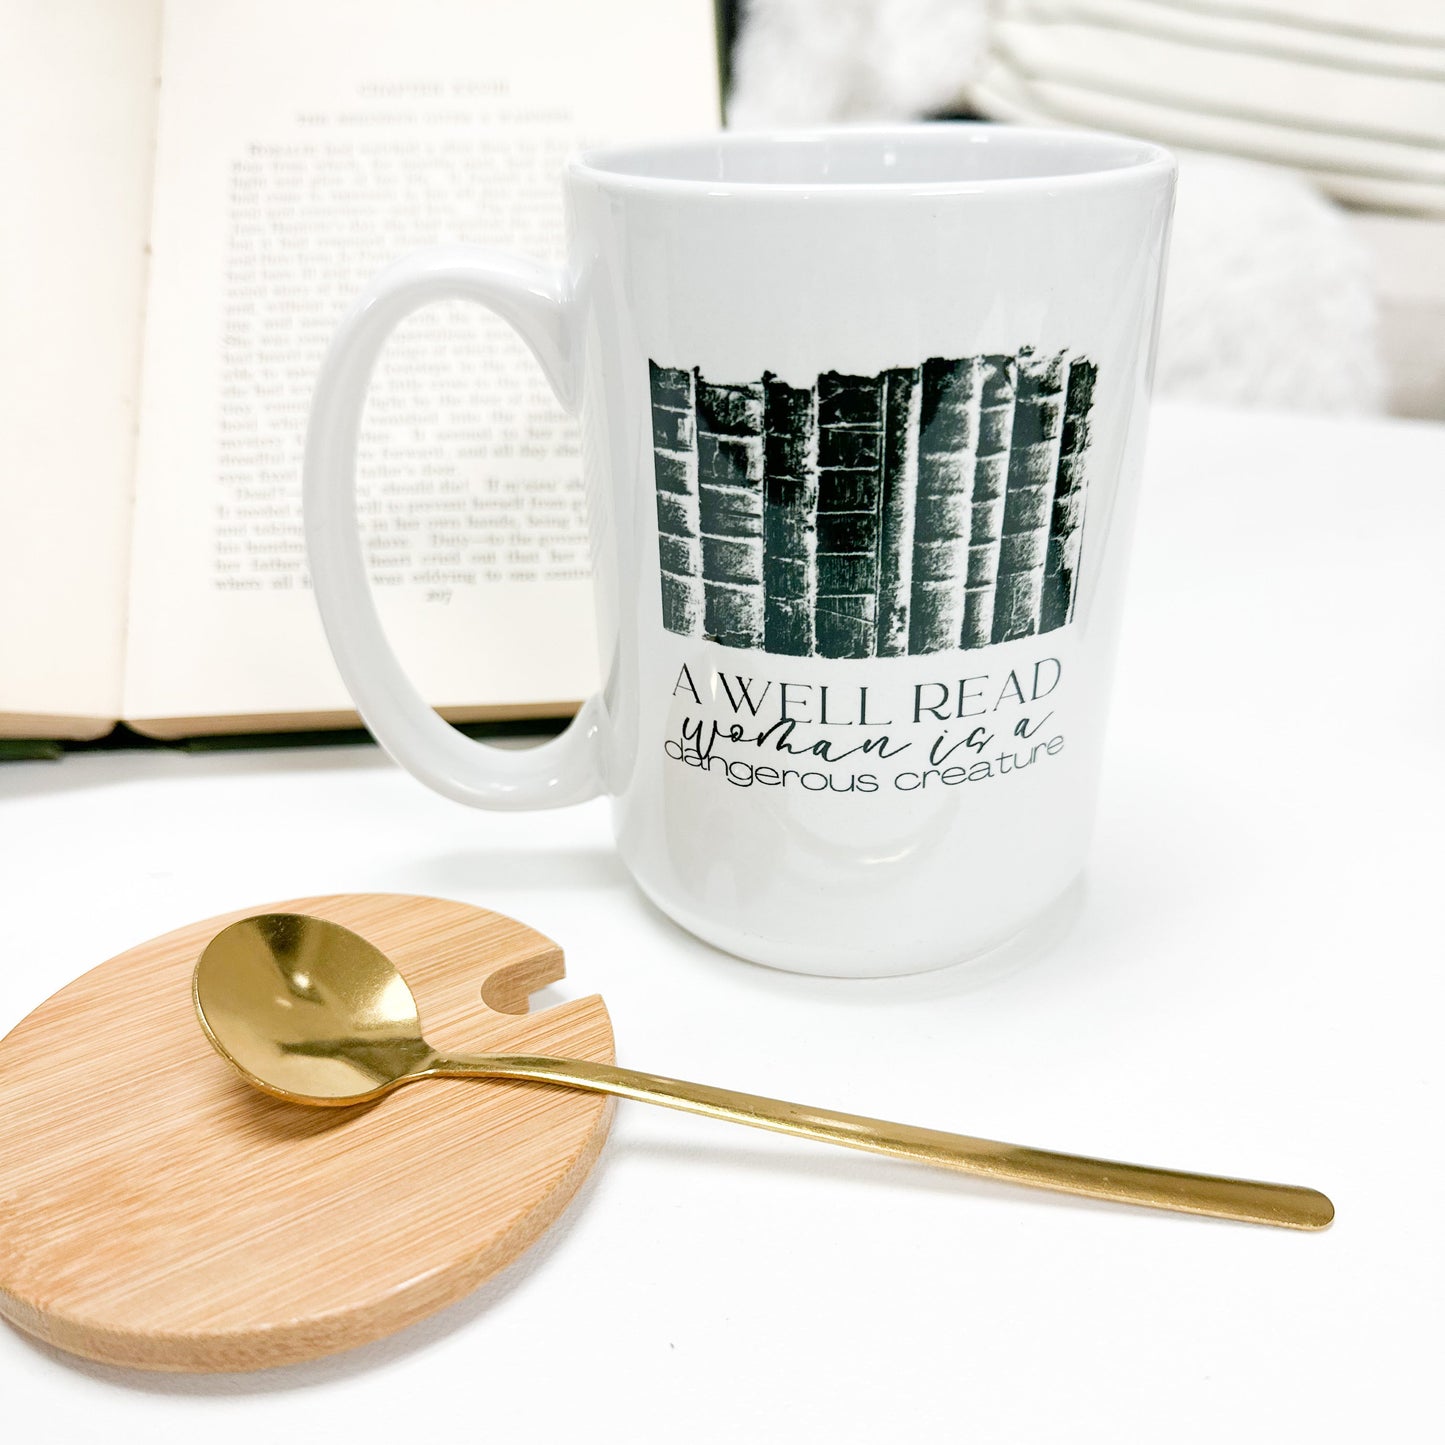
{"points": [[660, 167]]}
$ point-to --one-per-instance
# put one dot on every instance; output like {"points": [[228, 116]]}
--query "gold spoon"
{"points": [[310, 1012]]}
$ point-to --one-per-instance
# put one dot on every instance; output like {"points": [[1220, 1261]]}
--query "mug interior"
{"points": [[961, 155]]}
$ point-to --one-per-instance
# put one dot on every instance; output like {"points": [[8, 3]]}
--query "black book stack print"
{"points": [[1067, 520], [897, 507], [920, 510], [790, 510], [997, 378], [1033, 461], [674, 460], [730, 511], [850, 455], [947, 461]]}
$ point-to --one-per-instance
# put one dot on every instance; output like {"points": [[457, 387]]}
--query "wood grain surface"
{"points": [[156, 1211]]}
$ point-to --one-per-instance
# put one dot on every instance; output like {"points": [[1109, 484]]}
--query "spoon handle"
{"points": [[1287, 1205]]}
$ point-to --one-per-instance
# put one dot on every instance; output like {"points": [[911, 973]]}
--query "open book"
{"points": [[195, 190]]}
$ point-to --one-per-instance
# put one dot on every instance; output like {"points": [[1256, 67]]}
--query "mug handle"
{"points": [[533, 299]]}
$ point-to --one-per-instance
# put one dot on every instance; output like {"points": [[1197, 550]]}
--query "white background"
{"points": [[1250, 984]]}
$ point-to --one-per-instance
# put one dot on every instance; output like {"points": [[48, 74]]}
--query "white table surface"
{"points": [[1251, 984]]}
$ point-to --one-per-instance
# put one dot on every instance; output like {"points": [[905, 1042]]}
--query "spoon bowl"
{"points": [[309, 1011]]}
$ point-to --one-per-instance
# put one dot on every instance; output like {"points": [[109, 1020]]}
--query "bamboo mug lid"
{"points": [[157, 1212]]}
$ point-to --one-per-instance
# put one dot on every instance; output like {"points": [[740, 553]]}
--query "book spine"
{"points": [[897, 510], [790, 517], [947, 446], [996, 377], [730, 511], [1029, 500], [1061, 570], [674, 462], [850, 455]]}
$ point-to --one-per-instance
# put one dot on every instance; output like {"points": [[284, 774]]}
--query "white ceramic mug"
{"points": [[862, 418]]}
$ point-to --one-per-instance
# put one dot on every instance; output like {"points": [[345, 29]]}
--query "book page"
{"points": [[77, 124], [302, 145]]}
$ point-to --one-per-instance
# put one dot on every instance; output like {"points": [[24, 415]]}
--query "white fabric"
{"points": [[1407, 259], [1270, 297], [1351, 94], [802, 62]]}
